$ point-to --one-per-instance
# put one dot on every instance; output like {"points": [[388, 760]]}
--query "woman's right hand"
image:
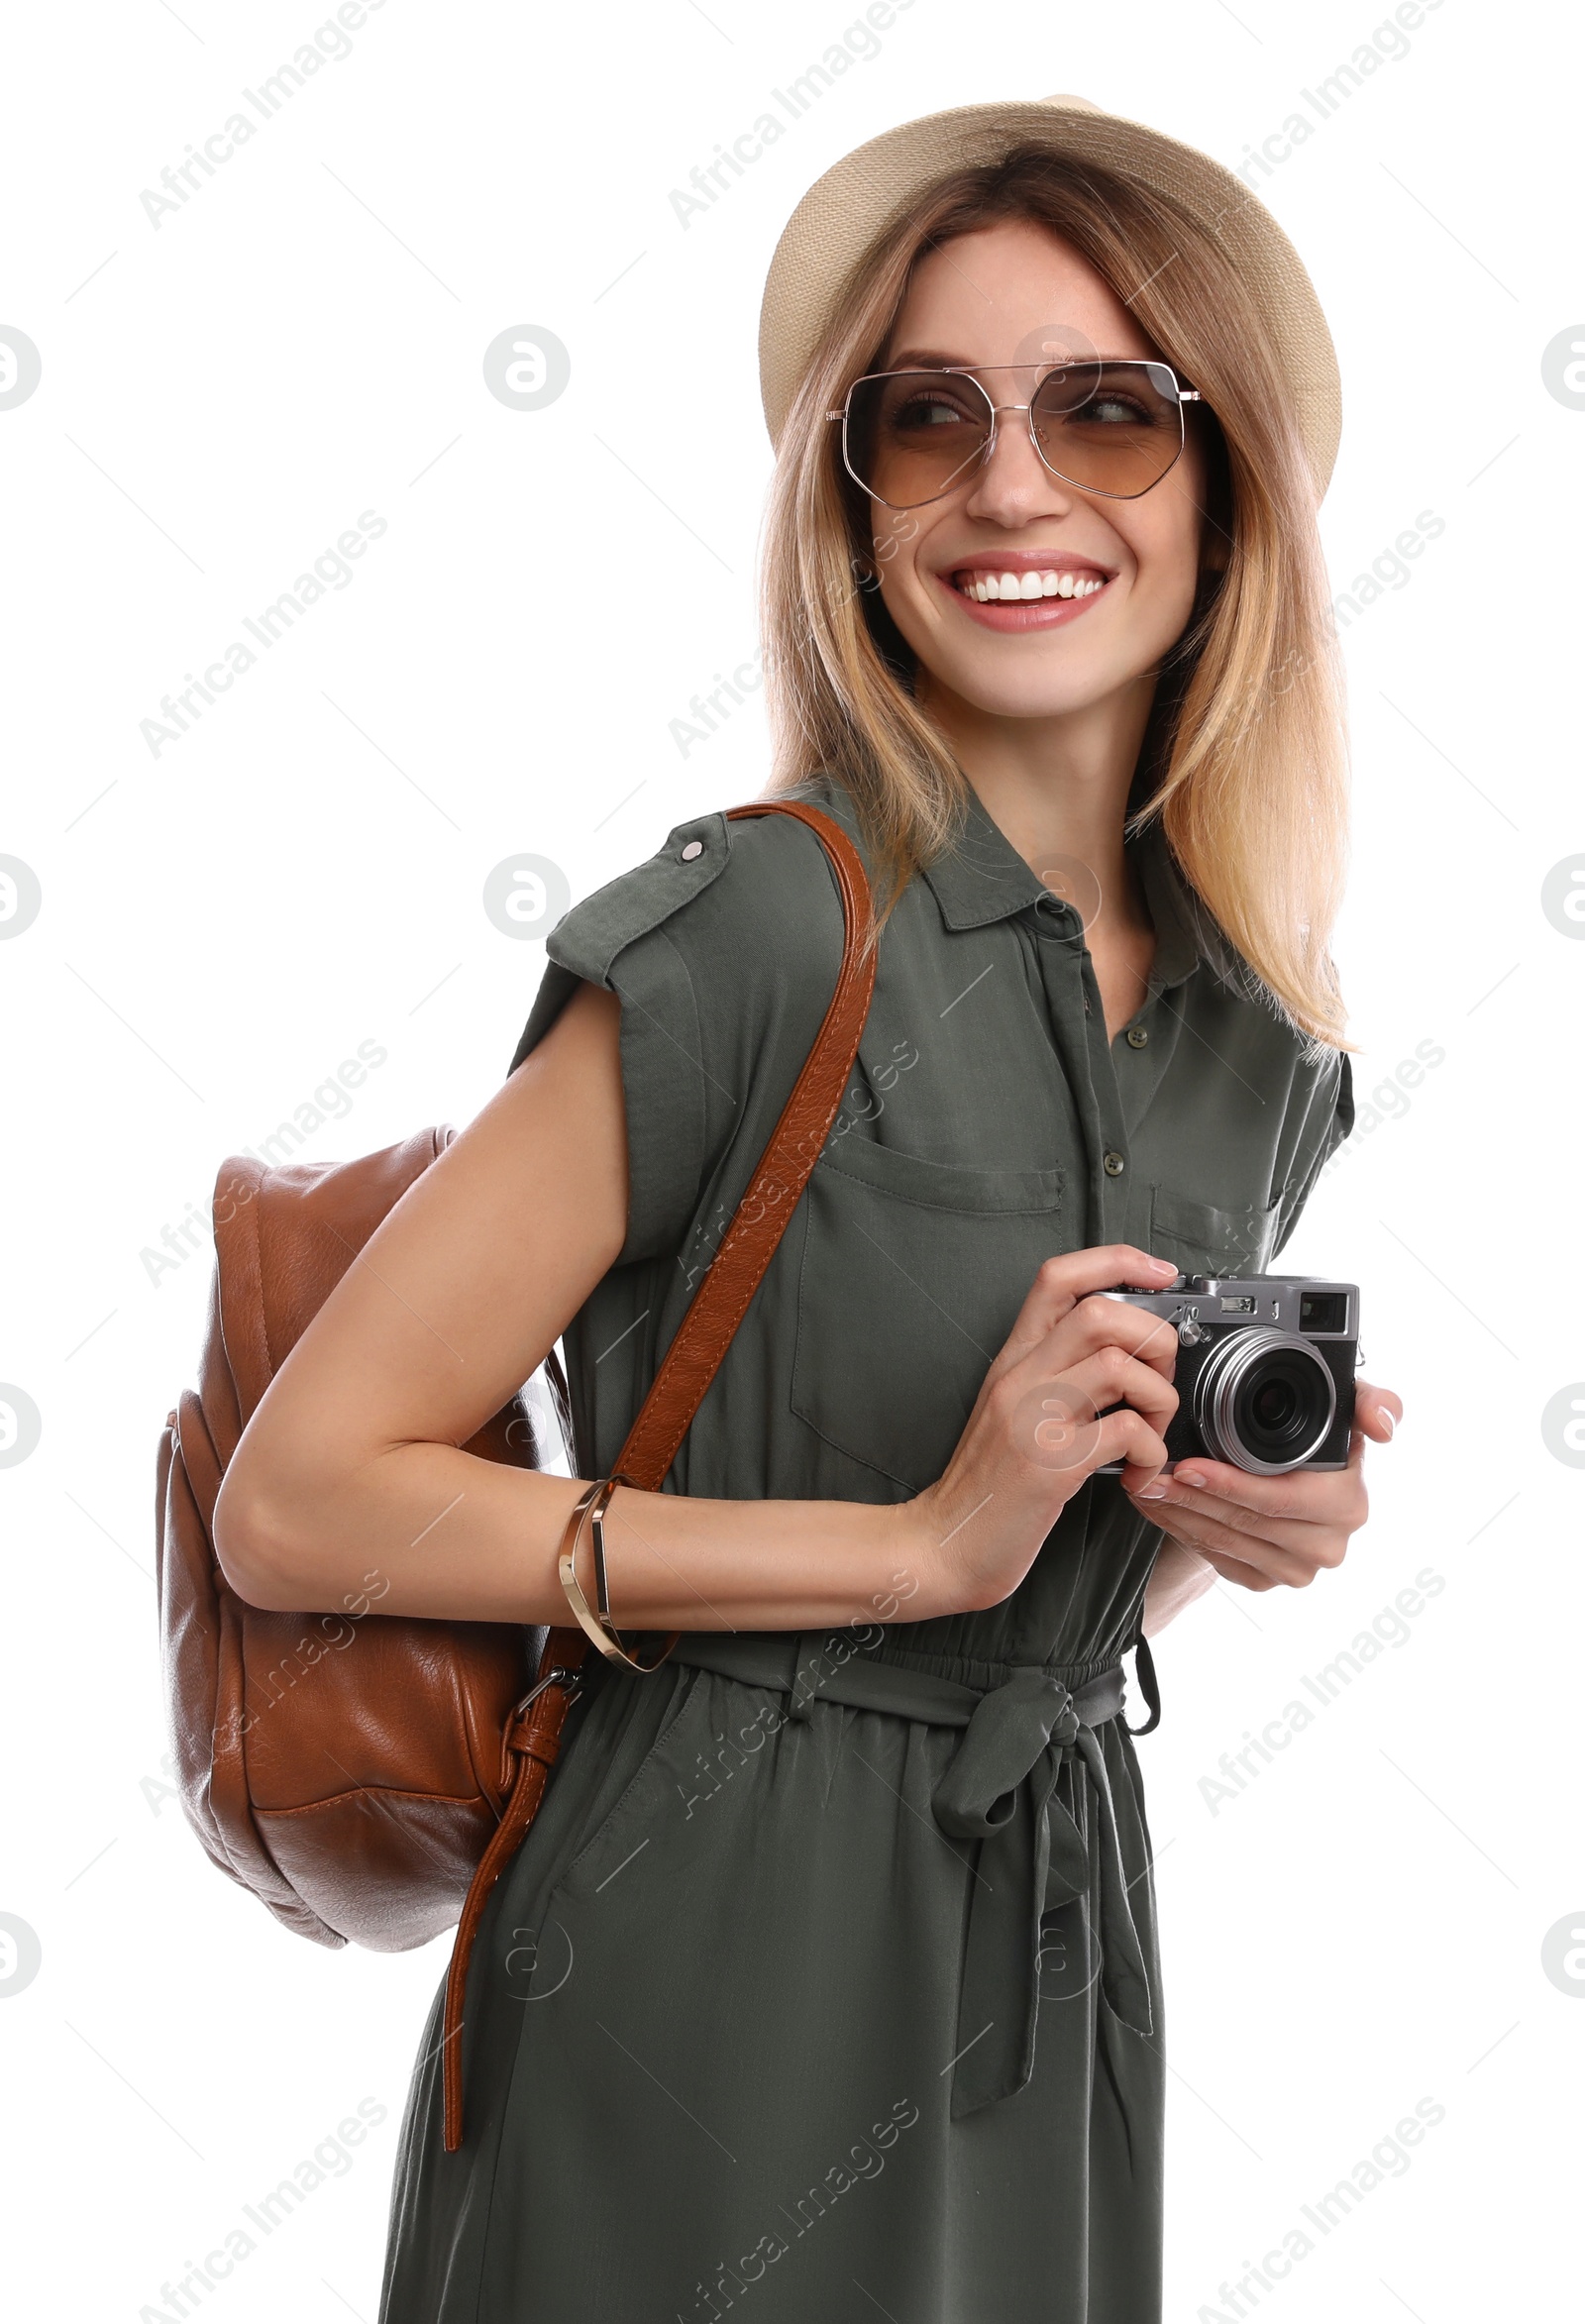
{"points": [[1040, 1426]]}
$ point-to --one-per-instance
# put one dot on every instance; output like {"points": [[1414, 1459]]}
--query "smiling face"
{"points": [[1024, 596]]}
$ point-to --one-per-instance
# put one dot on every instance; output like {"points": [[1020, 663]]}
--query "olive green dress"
{"points": [[826, 1985]]}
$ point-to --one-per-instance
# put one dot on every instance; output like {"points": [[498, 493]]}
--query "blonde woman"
{"points": [[826, 1983]]}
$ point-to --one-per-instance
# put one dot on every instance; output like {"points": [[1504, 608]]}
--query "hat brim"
{"points": [[843, 212]]}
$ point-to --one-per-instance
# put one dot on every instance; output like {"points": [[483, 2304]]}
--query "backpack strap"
{"points": [[690, 1363], [759, 1222]]}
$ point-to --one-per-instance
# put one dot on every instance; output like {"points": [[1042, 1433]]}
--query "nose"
{"points": [[1012, 484]]}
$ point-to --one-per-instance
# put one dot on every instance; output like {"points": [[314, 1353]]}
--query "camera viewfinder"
{"points": [[1324, 1311]]}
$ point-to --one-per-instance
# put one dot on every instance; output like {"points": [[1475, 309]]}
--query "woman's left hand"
{"points": [[1260, 1532]]}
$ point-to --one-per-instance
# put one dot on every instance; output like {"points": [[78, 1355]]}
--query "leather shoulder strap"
{"points": [[761, 1218]]}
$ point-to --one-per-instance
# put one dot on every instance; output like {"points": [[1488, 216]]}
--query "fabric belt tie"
{"points": [[1000, 1790]]}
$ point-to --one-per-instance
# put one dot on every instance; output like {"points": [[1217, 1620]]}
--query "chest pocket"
{"points": [[912, 1273], [1203, 1240]]}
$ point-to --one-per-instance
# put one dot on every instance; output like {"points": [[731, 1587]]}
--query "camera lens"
{"points": [[1273, 1404], [1264, 1401]]}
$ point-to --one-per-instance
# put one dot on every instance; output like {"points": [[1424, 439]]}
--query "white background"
{"points": [[1361, 1926]]}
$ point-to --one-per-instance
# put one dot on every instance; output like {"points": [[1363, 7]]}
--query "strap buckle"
{"points": [[570, 1680]]}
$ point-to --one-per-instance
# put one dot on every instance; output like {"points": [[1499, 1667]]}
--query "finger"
{"points": [[1072, 1276], [1304, 1496], [1313, 1543], [1206, 1535], [1333, 1500], [1111, 1377], [1055, 1420], [1377, 1410], [1097, 1322], [1124, 1435], [1232, 1570], [1102, 1321]]}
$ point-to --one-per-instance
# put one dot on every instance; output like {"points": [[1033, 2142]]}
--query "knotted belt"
{"points": [[999, 1789]]}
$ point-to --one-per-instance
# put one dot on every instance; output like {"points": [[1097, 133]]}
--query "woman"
{"points": [[801, 1998]]}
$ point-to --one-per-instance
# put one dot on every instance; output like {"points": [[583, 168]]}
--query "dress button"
{"points": [[694, 847], [1114, 1165], [1138, 1036]]}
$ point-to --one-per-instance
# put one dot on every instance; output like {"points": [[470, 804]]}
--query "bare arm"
{"points": [[352, 1467], [1178, 1577]]}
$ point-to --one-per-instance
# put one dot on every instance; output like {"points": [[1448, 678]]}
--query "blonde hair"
{"points": [[1244, 759]]}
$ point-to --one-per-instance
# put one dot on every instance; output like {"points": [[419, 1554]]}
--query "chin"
{"points": [[1033, 693]]}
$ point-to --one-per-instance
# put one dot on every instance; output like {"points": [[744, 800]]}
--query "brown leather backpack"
{"points": [[369, 1775]]}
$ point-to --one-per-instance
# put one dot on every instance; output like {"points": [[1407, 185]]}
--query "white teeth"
{"points": [[988, 587]]}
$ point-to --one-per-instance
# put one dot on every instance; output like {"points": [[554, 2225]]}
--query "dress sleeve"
{"points": [[723, 950], [1327, 1122]]}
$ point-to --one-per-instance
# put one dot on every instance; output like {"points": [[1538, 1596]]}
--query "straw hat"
{"points": [[843, 212]]}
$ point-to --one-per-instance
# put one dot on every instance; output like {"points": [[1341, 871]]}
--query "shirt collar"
{"points": [[982, 878]]}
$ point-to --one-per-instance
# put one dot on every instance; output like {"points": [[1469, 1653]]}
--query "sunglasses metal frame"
{"points": [[1179, 396]]}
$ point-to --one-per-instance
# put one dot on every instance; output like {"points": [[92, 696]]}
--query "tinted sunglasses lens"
{"points": [[912, 435], [1114, 428]]}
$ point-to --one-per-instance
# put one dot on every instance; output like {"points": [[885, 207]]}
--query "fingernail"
{"points": [[1387, 1421], [1156, 1492], [1180, 1477], [1163, 1266]]}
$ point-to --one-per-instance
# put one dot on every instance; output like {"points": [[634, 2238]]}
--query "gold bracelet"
{"points": [[590, 1509]]}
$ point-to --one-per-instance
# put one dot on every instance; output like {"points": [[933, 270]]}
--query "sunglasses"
{"points": [[1112, 427]]}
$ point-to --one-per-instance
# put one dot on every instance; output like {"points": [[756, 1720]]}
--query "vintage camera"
{"points": [[1265, 1369]]}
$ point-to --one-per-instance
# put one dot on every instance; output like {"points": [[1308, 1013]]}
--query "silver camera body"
{"points": [[1265, 1369]]}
